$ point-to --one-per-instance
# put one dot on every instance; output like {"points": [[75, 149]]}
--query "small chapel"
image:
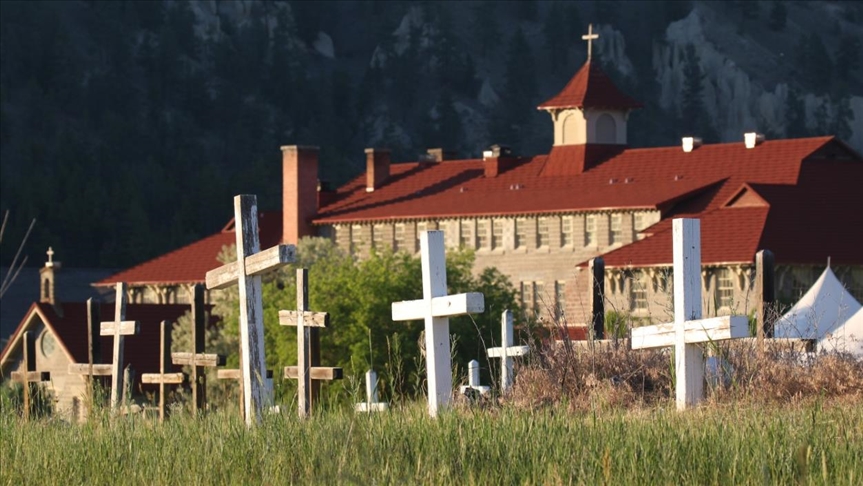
{"points": [[539, 218]]}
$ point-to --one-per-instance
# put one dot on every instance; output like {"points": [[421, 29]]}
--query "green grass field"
{"points": [[817, 442]]}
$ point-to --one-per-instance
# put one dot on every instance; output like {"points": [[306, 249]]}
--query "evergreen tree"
{"points": [[843, 116], [519, 93], [815, 62], [449, 125], [795, 116], [557, 31], [485, 28], [778, 16], [693, 113], [848, 57]]}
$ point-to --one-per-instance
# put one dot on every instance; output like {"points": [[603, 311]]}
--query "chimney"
{"points": [[299, 191], [377, 168], [690, 143], [496, 159], [752, 139], [46, 279], [440, 154]]}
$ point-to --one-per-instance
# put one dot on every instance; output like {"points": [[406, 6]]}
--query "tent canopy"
{"points": [[847, 338], [820, 312]]}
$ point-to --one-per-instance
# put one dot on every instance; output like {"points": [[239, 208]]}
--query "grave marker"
{"points": [[119, 328], [198, 360], [308, 367], [688, 327], [371, 404], [161, 377], [29, 376], [506, 351], [246, 274], [473, 382], [93, 366], [435, 308]]}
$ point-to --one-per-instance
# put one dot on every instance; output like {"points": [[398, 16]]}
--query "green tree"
{"points": [[693, 112]]}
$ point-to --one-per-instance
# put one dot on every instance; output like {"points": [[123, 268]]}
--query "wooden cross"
{"points": [[198, 360], [506, 351], [308, 371], [161, 377], [590, 37], [688, 327], [473, 382], [435, 308], [119, 328], [29, 376], [246, 274], [371, 404], [93, 366]]}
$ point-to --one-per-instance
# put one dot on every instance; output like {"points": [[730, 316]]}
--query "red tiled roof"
{"points": [[590, 88], [190, 264]]}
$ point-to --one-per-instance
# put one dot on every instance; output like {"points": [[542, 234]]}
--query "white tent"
{"points": [[820, 313], [847, 338]]}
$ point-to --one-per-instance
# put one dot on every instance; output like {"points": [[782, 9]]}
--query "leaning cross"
{"points": [[29, 375], [308, 367], [506, 351], [436, 307], [161, 377], [119, 328], [198, 360], [246, 274], [688, 327], [590, 37]]}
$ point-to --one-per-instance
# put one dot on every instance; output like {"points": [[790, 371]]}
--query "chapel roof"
{"points": [[590, 88]]}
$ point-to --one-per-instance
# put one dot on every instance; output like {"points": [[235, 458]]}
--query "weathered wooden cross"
{"points": [[246, 274], [29, 376], [506, 351], [198, 360], [93, 366], [473, 382], [161, 377], [436, 307], [371, 404], [308, 371], [688, 328], [119, 328]]}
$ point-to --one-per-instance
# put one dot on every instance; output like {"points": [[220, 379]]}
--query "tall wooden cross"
{"points": [[93, 366], [688, 328], [506, 351], [198, 360], [435, 308], [161, 377], [246, 274], [29, 376], [308, 371], [590, 37], [119, 328]]}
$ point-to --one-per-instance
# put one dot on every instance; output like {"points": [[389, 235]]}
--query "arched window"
{"points": [[606, 129], [570, 129], [46, 289]]}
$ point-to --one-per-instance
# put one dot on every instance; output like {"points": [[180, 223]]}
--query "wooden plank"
{"points": [[167, 379], [256, 264], [765, 295], [235, 374], [304, 346], [371, 407], [84, 369], [310, 318], [320, 373], [701, 331], [117, 361], [443, 306], [31, 376], [210, 360], [127, 328], [510, 351]]}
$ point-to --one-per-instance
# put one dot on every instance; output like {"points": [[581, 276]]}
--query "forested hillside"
{"points": [[126, 126]]}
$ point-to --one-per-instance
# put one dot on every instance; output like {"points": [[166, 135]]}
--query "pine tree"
{"points": [[693, 112], [843, 116], [778, 16], [795, 116], [518, 95], [484, 21]]}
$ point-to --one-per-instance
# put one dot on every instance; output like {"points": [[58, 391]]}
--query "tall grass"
{"points": [[817, 442]]}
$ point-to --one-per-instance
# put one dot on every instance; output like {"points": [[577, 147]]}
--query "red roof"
{"points": [[190, 264], [590, 88]]}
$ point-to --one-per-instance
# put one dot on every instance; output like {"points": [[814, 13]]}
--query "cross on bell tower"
{"points": [[590, 37], [46, 279]]}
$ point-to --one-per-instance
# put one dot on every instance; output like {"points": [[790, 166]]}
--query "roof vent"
{"points": [[612, 181], [515, 187], [752, 139], [462, 189], [678, 177], [690, 143], [628, 180]]}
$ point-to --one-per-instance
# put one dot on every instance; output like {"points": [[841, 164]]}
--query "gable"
{"points": [[746, 197]]}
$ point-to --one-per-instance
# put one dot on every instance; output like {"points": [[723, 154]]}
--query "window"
{"points": [[724, 288], [378, 232], [559, 299], [590, 230], [606, 129], [542, 232], [496, 234], [466, 233], [638, 291], [526, 297], [538, 297], [482, 234], [616, 233], [566, 231], [639, 222], [521, 232], [399, 238]]}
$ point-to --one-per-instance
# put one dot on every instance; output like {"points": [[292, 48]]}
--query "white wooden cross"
{"points": [[688, 328], [371, 404], [590, 37], [436, 307], [162, 378], [246, 274], [119, 328], [506, 351], [473, 382]]}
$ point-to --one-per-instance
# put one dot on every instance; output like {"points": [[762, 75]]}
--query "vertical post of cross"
{"points": [[304, 344], [597, 296], [765, 292], [29, 376], [687, 307], [118, 329], [161, 377], [506, 351]]}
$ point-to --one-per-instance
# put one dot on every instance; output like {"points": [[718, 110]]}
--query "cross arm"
{"points": [[446, 306], [310, 319], [167, 378], [316, 373], [84, 369], [698, 331], [510, 351], [31, 376], [200, 359], [127, 328], [257, 264]]}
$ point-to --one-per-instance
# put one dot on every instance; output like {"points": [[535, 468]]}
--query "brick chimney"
{"points": [[496, 159], [299, 191], [377, 168], [46, 279]]}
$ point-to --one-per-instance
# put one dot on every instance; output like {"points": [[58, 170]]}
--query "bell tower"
{"points": [[46, 279]]}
